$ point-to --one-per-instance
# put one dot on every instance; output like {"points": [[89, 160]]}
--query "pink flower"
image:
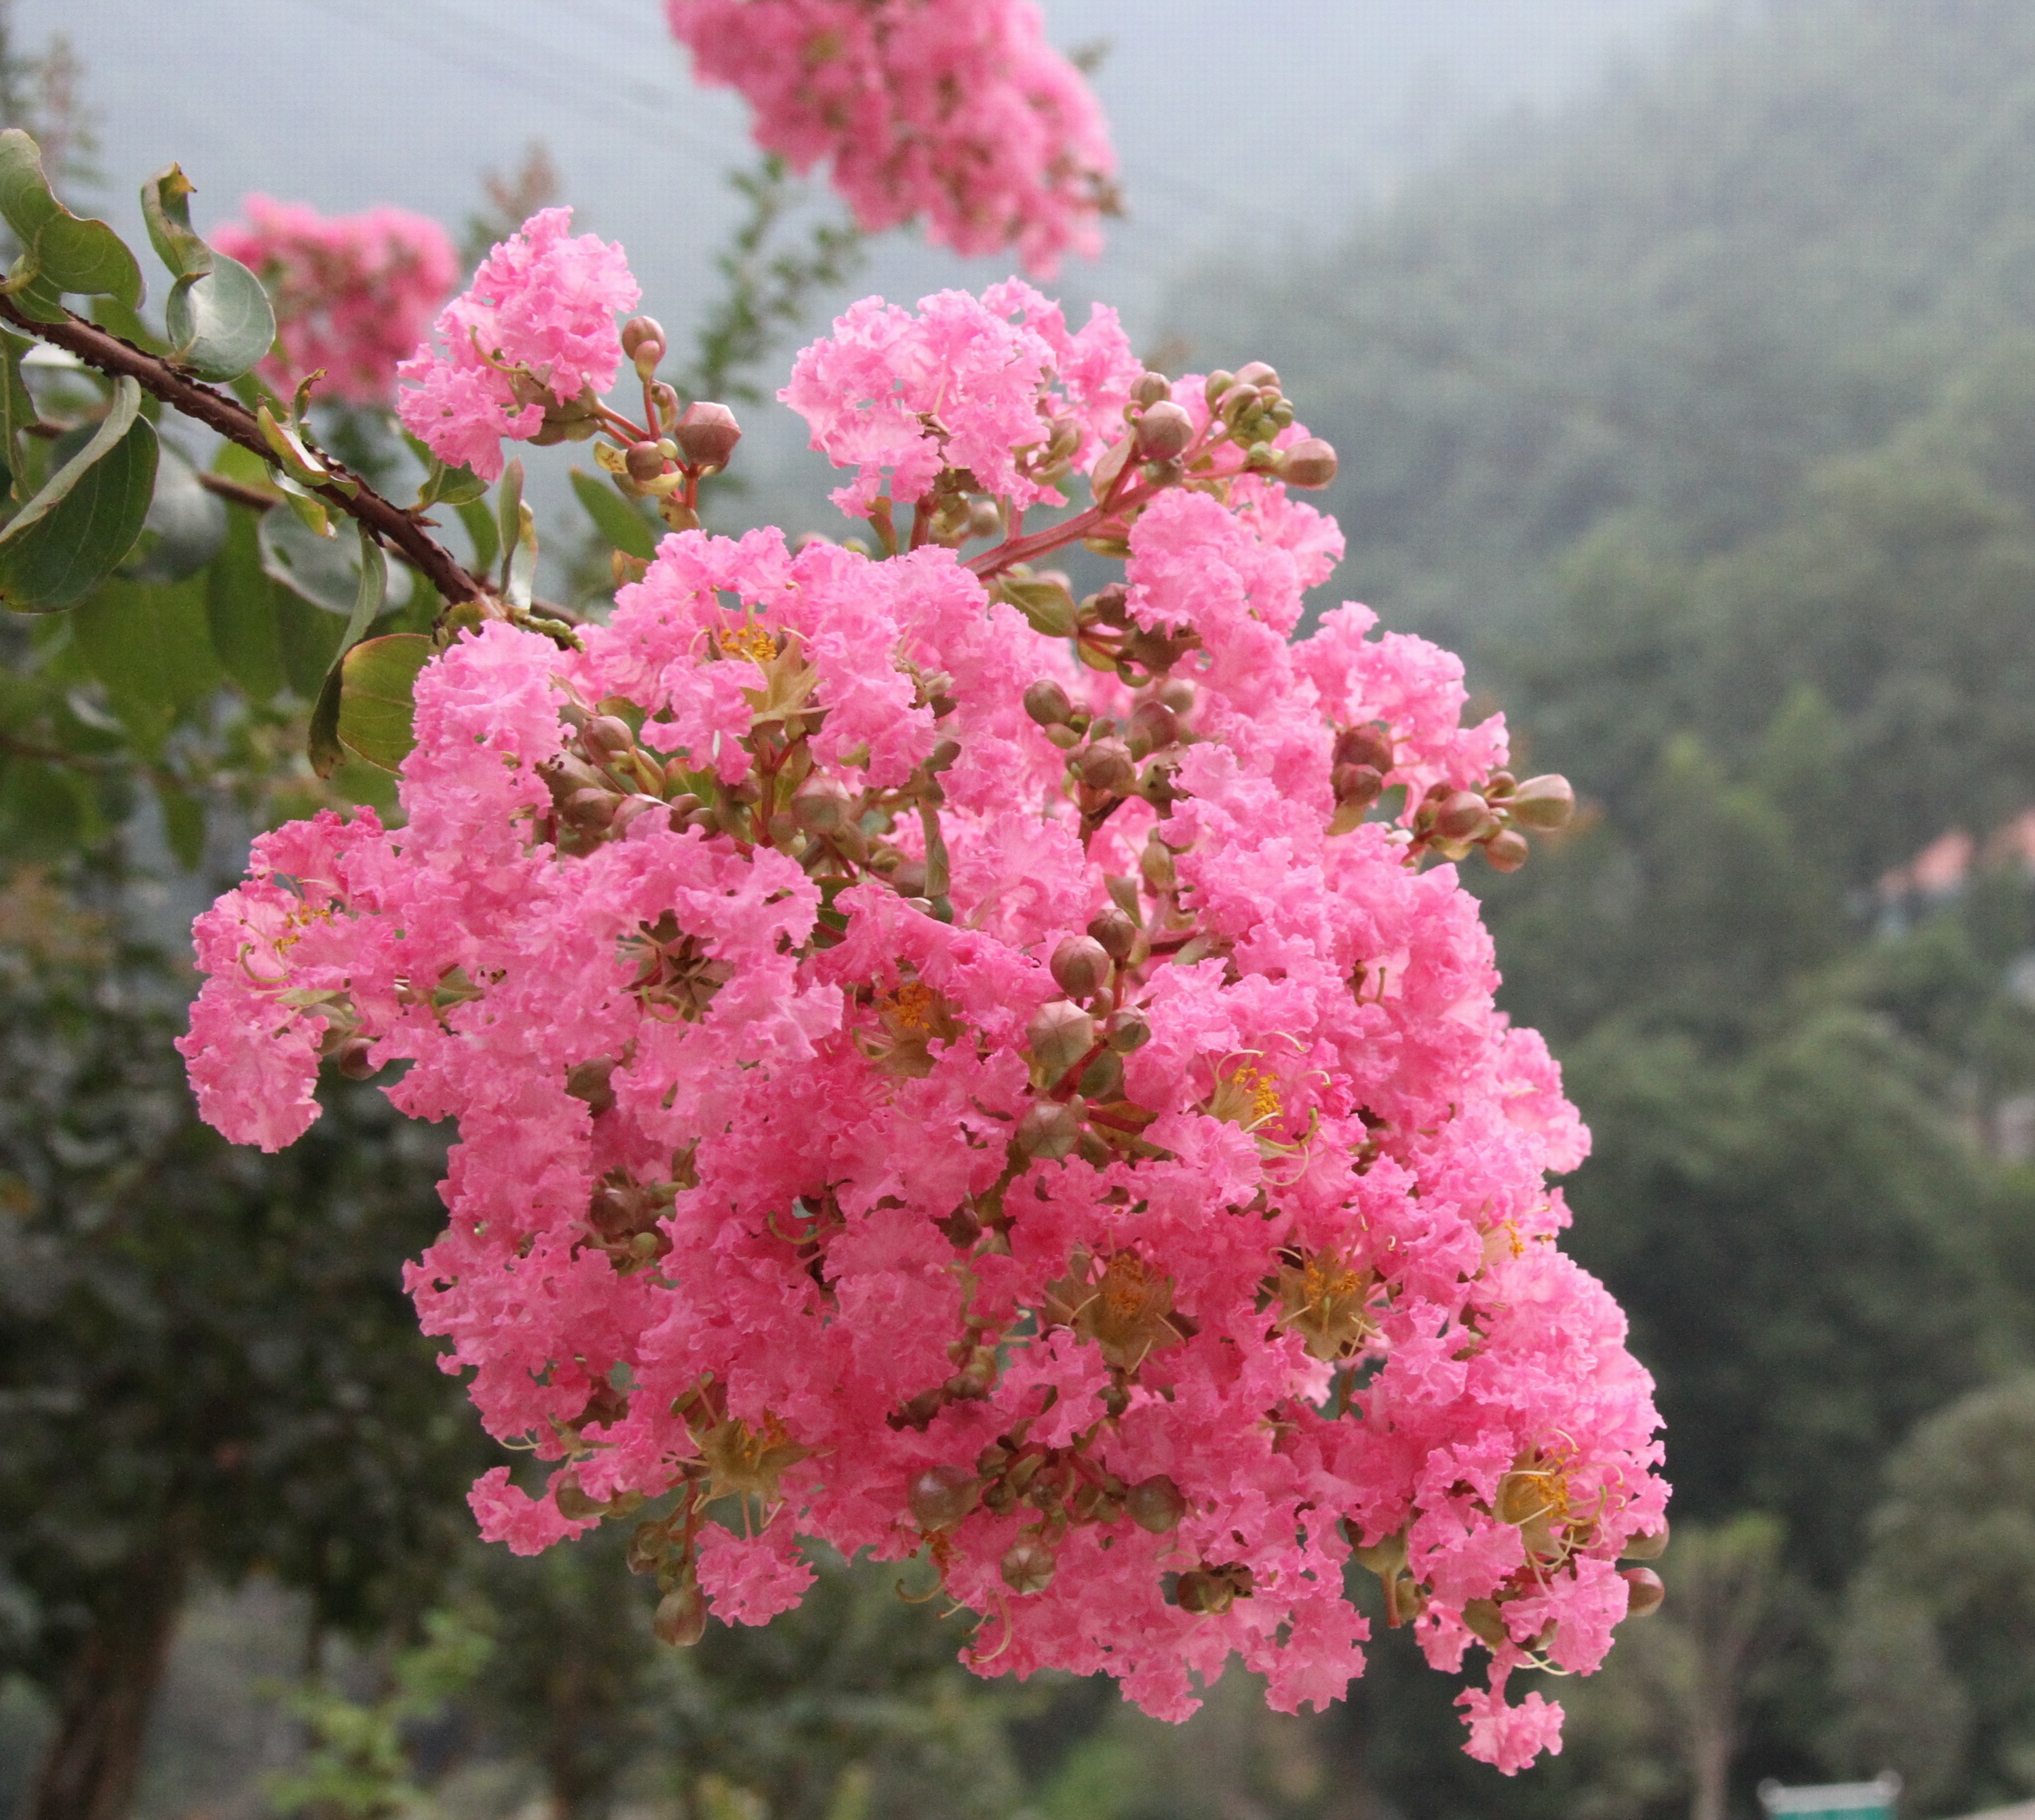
{"points": [[957, 110], [353, 294], [904, 1108], [537, 327]]}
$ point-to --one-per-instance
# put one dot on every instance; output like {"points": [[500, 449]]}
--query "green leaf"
{"points": [[110, 313], [243, 607], [308, 637], [297, 460], [373, 589], [183, 823], [221, 324], [61, 252], [375, 708], [325, 571], [17, 412], [166, 207], [43, 810], [152, 647], [66, 552], [126, 406], [509, 514], [185, 526], [615, 519], [443, 486], [479, 523]]}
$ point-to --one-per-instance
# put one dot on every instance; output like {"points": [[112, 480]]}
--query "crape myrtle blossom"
{"points": [[353, 294], [958, 111], [997, 1081], [525, 349]]}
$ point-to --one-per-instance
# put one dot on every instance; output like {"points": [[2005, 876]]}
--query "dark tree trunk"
{"points": [[93, 1762]]}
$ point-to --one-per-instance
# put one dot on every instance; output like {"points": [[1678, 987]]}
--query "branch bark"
{"points": [[108, 353]]}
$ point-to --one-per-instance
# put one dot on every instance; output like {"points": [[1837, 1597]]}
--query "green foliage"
{"points": [[85, 519], [60, 254], [220, 320]]}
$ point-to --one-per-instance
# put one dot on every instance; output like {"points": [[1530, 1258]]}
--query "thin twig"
{"points": [[238, 492], [121, 359]]}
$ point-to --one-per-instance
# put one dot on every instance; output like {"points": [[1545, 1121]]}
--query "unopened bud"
{"points": [[1106, 766], [1155, 867], [821, 805], [1310, 463], [1178, 693], [681, 1616], [1059, 1035], [1507, 851], [706, 435], [590, 809], [645, 461], [1649, 1547], [1258, 373], [1156, 1504], [1461, 815], [1154, 727], [594, 1081], [1646, 1593], [1049, 1130], [1544, 802], [1364, 746], [1217, 383], [356, 1062], [1357, 784], [607, 735], [1205, 1595], [1129, 1031], [1487, 1622], [1164, 431], [941, 1496], [574, 1504], [1151, 388], [1080, 966], [908, 879], [1114, 933], [1028, 1567], [984, 519], [1103, 1078], [637, 330]]}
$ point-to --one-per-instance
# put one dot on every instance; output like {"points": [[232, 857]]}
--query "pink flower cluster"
{"points": [[534, 333], [956, 109], [353, 294], [935, 1086], [997, 392]]}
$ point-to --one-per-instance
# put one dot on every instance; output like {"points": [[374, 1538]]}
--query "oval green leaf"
{"points": [[64, 252], [325, 571], [615, 518], [185, 526], [377, 678], [220, 323], [68, 550]]}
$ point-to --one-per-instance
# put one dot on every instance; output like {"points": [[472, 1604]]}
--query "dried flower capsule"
{"points": [[1028, 1566]]}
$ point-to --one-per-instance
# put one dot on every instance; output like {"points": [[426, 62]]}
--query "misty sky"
{"points": [[1250, 121]]}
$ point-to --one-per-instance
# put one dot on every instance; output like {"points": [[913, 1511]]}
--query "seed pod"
{"points": [[1154, 727], [941, 1496], [1114, 933], [1545, 803], [1164, 431], [1357, 784], [1365, 745], [356, 1061], [590, 809], [1648, 1547], [1049, 1131], [1646, 1593], [1151, 388], [1080, 966], [1046, 702], [1461, 814], [821, 805], [681, 1615], [1028, 1567], [607, 735], [1506, 852], [1310, 463], [1129, 1031], [706, 435], [1156, 1504], [1059, 1035], [1204, 1594], [645, 462], [1106, 766]]}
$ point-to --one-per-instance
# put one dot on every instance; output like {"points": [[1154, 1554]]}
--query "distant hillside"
{"points": [[1766, 247]]}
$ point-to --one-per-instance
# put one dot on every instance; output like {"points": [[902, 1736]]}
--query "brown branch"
{"points": [[238, 492], [107, 352]]}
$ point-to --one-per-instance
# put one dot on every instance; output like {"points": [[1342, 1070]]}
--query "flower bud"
{"points": [[589, 810], [1154, 727], [605, 734], [1114, 933], [1357, 784], [1129, 1031], [1178, 693], [1646, 1593], [681, 1615], [706, 435], [984, 519], [356, 1062], [1106, 766], [1649, 1547], [1461, 814], [1507, 851], [1151, 388], [1365, 745], [908, 879], [1545, 803], [645, 461], [574, 1504], [1164, 431], [1217, 383], [1103, 1078], [1258, 373], [821, 805], [1049, 1130], [941, 1496], [1484, 1618], [637, 330], [1155, 867], [1310, 463], [1156, 1504], [1204, 1594], [1028, 1567], [1059, 1035], [1080, 966]]}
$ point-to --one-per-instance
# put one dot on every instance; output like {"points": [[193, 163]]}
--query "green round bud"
{"points": [[1506, 852], [1046, 702], [1461, 814], [681, 1615], [1310, 463], [941, 1496], [1080, 966], [1646, 1592], [1156, 1504], [1546, 802]]}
